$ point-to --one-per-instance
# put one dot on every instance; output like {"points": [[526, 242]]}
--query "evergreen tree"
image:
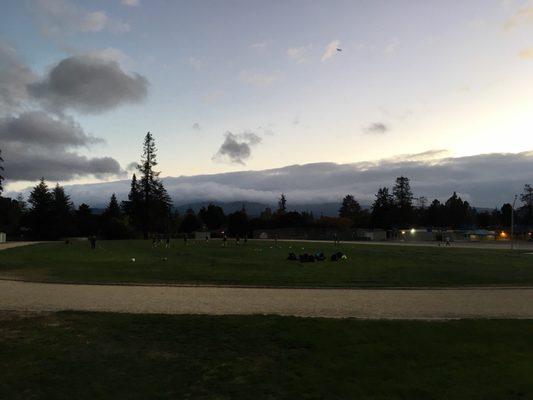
{"points": [[458, 212], [1, 173], [40, 213], [86, 221], [381, 216], [526, 211], [61, 209], [190, 222], [505, 215], [149, 203], [435, 214], [213, 216], [282, 204], [133, 207], [403, 202], [266, 215], [112, 223], [350, 208], [238, 223], [113, 209]]}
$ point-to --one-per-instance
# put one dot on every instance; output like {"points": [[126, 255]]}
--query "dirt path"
{"points": [[336, 303], [10, 245]]}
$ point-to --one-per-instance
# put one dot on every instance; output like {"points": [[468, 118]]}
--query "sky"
{"points": [[228, 86]]}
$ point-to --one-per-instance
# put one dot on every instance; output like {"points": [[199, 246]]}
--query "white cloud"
{"points": [[131, 3], [58, 17], [196, 63], [523, 16], [330, 50], [526, 53], [259, 45], [258, 79], [110, 54], [390, 48], [298, 54]]}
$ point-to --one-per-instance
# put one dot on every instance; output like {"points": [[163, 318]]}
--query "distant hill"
{"points": [[254, 209]]}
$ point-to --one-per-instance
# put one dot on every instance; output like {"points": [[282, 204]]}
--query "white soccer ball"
{"points": [[133, 259]]}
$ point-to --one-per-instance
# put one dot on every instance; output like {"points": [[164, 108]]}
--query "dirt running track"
{"points": [[335, 303]]}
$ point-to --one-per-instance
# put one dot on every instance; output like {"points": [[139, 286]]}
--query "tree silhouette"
{"points": [[213, 216], [238, 223], [526, 211], [458, 212], [1, 173], [351, 209], [112, 223], [190, 222], [381, 216], [403, 202], [505, 212], [87, 224], [40, 213], [435, 214], [150, 201], [113, 209], [282, 204], [61, 209]]}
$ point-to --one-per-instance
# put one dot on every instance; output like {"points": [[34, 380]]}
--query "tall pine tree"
{"points": [[382, 208], [153, 200], [62, 213], [282, 204], [40, 213], [113, 209], [403, 202]]}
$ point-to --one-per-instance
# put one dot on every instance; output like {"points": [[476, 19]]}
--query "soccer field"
{"points": [[262, 263]]}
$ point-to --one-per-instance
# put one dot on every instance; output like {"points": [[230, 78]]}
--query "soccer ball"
{"points": [[133, 259]]}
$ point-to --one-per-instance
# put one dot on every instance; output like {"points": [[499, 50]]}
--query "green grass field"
{"points": [[261, 263], [120, 356]]}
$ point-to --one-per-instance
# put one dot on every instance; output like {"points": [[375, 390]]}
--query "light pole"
{"points": [[512, 222]]}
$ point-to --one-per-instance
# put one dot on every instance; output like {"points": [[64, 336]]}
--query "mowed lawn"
{"points": [[262, 263], [122, 356]]}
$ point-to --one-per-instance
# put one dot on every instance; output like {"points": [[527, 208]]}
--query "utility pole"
{"points": [[512, 222]]}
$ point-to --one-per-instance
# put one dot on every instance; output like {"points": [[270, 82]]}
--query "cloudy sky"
{"points": [[227, 86]]}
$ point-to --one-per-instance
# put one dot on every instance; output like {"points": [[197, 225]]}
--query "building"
{"points": [[479, 235]]}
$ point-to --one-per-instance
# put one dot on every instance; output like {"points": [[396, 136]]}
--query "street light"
{"points": [[512, 222]]}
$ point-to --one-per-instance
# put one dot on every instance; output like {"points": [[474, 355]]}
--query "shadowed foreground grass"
{"points": [[120, 356], [261, 263]]}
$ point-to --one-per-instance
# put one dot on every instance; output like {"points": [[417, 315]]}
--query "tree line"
{"points": [[50, 214]]}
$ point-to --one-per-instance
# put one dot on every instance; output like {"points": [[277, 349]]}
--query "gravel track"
{"points": [[333, 303]]}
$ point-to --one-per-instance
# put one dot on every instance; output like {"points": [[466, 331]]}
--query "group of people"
{"points": [[318, 256]]}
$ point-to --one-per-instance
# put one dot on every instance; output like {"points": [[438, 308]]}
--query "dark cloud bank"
{"points": [[485, 180], [35, 143], [88, 84]]}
